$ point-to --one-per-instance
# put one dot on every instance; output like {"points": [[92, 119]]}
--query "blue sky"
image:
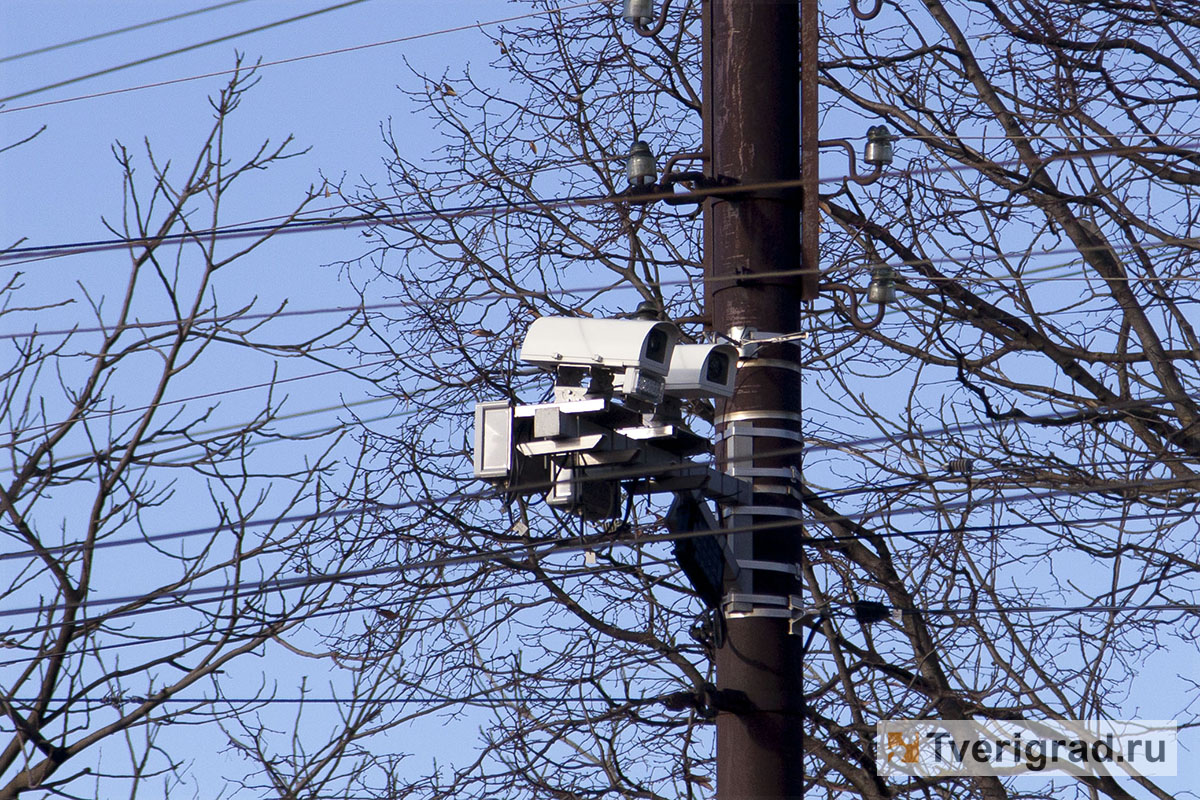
{"points": [[57, 188], [60, 187]]}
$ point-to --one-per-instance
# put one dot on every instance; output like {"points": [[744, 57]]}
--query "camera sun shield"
{"points": [[702, 370], [615, 344]]}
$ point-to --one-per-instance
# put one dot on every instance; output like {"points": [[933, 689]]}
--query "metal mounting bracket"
{"points": [[769, 566], [738, 605]]}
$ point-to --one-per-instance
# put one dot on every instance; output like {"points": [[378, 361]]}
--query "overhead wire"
{"points": [[492, 296], [535, 550], [343, 608], [197, 437], [126, 29], [295, 59], [484, 698], [977, 477], [177, 51], [97, 415], [1086, 154], [225, 593], [287, 221], [33, 253], [328, 612], [345, 370], [587, 571], [263, 439], [531, 487], [342, 309]]}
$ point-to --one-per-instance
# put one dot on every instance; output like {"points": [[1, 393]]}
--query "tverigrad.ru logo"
{"points": [[943, 748]]}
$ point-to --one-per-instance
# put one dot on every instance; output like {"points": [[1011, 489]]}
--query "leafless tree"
{"points": [[161, 534], [1005, 464], [1019, 435]]}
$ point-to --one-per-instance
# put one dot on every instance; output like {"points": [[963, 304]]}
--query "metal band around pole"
{"points": [[739, 416]]}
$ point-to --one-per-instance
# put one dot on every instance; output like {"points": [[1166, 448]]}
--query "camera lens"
{"points": [[656, 346], [718, 368]]}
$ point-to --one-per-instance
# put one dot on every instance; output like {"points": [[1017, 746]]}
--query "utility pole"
{"points": [[761, 218], [753, 252]]}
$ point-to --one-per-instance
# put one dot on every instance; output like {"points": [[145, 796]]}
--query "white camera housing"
{"points": [[616, 344], [702, 370]]}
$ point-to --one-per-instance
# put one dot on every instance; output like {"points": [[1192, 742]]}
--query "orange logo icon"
{"points": [[905, 747]]}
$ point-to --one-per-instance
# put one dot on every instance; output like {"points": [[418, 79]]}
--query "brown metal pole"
{"points": [[752, 108]]}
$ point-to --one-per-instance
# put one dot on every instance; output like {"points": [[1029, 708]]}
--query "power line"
{"points": [[535, 550], [253, 226], [488, 494], [490, 296], [179, 401], [298, 226], [177, 51], [471, 298], [19, 255], [128, 28], [492, 493], [294, 59], [1049, 417], [597, 545], [574, 545], [236, 317], [116, 701], [973, 477], [1112, 608], [96, 415], [240, 426], [328, 612]]}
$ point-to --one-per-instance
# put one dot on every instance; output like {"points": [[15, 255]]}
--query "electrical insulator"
{"points": [[638, 12], [878, 150], [640, 168], [882, 289]]}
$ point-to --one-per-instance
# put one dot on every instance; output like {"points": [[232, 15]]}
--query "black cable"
{"points": [[514, 206], [299, 312], [178, 51], [98, 415], [357, 221], [128, 28], [529, 488], [255, 627], [847, 609], [497, 493], [812, 445], [978, 474], [49, 251], [482, 699], [1028, 609], [535, 550], [472, 298], [293, 59], [604, 569]]}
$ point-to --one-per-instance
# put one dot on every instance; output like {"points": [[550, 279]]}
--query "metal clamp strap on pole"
{"points": [[769, 566], [753, 430], [770, 511], [740, 471], [774, 363], [738, 605], [790, 491], [740, 416]]}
